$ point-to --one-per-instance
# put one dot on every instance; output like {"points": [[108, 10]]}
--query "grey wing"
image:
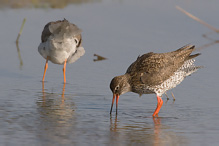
{"points": [[78, 53], [46, 33], [74, 30], [64, 27]]}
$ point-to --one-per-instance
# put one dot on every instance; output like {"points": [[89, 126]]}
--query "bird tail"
{"points": [[185, 51], [193, 56], [185, 47]]}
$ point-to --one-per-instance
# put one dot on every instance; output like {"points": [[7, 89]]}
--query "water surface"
{"points": [[77, 113]]}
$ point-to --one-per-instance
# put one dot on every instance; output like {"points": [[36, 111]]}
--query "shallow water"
{"points": [[77, 113]]}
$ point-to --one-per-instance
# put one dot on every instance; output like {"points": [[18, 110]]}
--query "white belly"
{"points": [[57, 50]]}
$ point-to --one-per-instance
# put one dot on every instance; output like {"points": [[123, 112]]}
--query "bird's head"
{"points": [[119, 85]]}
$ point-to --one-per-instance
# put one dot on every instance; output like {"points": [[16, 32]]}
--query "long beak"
{"points": [[117, 99]]}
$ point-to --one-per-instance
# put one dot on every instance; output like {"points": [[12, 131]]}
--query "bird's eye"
{"points": [[76, 41], [117, 88]]}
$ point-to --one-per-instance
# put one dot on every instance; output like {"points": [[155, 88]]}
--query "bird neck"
{"points": [[126, 83]]}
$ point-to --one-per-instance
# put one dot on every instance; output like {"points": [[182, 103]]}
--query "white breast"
{"points": [[57, 49]]}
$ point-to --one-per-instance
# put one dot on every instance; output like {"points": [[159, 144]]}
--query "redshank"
{"points": [[61, 44], [155, 73]]}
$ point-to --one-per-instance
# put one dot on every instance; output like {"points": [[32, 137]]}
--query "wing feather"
{"points": [[155, 68]]}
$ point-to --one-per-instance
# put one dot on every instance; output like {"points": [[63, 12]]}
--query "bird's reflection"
{"points": [[63, 92], [46, 94], [56, 116], [157, 131], [146, 131], [113, 125]]}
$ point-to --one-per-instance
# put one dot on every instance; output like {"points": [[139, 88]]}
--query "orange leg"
{"points": [[159, 105], [45, 68], [63, 94], [63, 91], [64, 69]]}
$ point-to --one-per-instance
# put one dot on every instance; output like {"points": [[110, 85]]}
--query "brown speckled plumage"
{"points": [[156, 72], [154, 68]]}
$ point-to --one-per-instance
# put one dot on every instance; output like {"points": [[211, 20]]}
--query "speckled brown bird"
{"points": [[61, 44], [155, 73]]}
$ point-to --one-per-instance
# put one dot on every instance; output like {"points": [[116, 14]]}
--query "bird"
{"points": [[61, 43], [155, 73]]}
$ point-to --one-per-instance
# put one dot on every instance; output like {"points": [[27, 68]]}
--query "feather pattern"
{"points": [[157, 72], [61, 40]]}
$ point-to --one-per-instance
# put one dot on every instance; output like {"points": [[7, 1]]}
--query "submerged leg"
{"points": [[159, 105], [64, 69], [45, 68]]}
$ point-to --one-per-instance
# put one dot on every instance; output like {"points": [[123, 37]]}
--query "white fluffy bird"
{"points": [[61, 44]]}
